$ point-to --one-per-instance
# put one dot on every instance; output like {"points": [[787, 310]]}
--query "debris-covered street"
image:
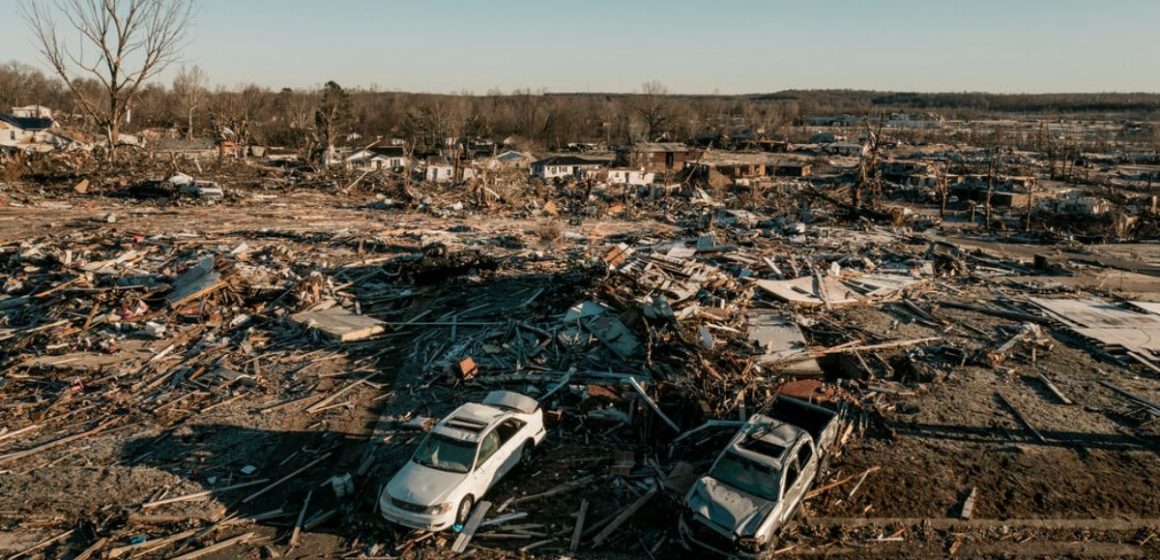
{"points": [[241, 379]]}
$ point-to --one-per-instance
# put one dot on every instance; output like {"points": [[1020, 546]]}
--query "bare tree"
{"points": [[332, 115], [189, 88], [654, 107], [120, 43], [233, 113], [941, 187]]}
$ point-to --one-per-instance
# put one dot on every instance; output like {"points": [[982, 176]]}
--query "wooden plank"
{"points": [[41, 544], [301, 517], [819, 490], [653, 405], [1132, 397], [578, 530], [56, 443], [151, 544], [619, 520], [317, 407], [1054, 390], [473, 523], [221, 545], [198, 495], [92, 549], [339, 323], [279, 482], [1019, 416], [566, 487]]}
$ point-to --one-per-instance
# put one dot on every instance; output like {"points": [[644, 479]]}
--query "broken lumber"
{"points": [[41, 544], [624, 515], [56, 442], [566, 487], [1002, 313], [280, 481], [220, 545], [473, 522], [301, 517], [1054, 390], [653, 405], [151, 544], [819, 490], [1133, 397], [1019, 416], [318, 406], [199, 495], [578, 530]]}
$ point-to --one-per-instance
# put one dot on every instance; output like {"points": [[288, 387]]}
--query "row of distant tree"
{"points": [[106, 56], [297, 117]]}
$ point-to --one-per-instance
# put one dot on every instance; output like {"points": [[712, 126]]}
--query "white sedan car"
{"points": [[462, 457]]}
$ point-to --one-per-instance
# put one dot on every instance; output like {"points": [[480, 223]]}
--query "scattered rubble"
{"points": [[241, 378]]}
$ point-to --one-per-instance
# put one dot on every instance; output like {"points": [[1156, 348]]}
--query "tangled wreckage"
{"points": [[256, 371]]}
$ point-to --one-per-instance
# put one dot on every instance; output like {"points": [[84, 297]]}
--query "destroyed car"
{"points": [[461, 458], [756, 484]]}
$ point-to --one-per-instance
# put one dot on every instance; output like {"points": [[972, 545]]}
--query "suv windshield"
{"points": [[445, 454], [748, 476]]}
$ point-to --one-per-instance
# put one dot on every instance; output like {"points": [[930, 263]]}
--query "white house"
{"points": [[620, 176], [30, 134], [847, 149], [390, 158], [439, 172], [564, 166]]}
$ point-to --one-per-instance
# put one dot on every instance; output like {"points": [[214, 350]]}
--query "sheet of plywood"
{"points": [[340, 324], [1094, 313], [808, 291], [782, 340]]}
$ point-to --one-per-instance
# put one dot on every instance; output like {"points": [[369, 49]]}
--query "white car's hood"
{"points": [[423, 486], [733, 511]]}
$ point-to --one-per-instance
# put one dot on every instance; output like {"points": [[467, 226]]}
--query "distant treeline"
{"points": [[537, 119], [1051, 103]]}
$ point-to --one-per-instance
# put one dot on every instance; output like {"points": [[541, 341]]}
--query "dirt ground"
{"points": [[1088, 490]]}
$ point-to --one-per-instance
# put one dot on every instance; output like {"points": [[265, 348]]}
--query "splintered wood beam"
{"points": [[578, 530], [469, 529], [619, 520]]}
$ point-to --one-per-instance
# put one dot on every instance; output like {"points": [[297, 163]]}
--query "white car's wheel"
{"points": [[527, 453], [464, 510]]}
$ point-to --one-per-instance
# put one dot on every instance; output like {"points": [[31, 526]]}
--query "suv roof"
{"points": [[765, 440]]}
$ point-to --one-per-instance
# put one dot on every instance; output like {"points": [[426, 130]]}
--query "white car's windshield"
{"points": [[748, 476], [445, 454]]}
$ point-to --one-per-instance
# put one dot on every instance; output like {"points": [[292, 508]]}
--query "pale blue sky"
{"points": [[728, 46]]}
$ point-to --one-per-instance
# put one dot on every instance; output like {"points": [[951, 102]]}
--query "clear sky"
{"points": [[705, 46]]}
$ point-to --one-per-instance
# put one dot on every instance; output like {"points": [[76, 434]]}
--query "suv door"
{"points": [[805, 475], [791, 483]]}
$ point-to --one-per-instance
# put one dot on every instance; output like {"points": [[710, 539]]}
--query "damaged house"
{"points": [[792, 168], [658, 157], [388, 158], [724, 172], [557, 167], [31, 131], [1005, 190], [616, 176], [907, 173]]}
